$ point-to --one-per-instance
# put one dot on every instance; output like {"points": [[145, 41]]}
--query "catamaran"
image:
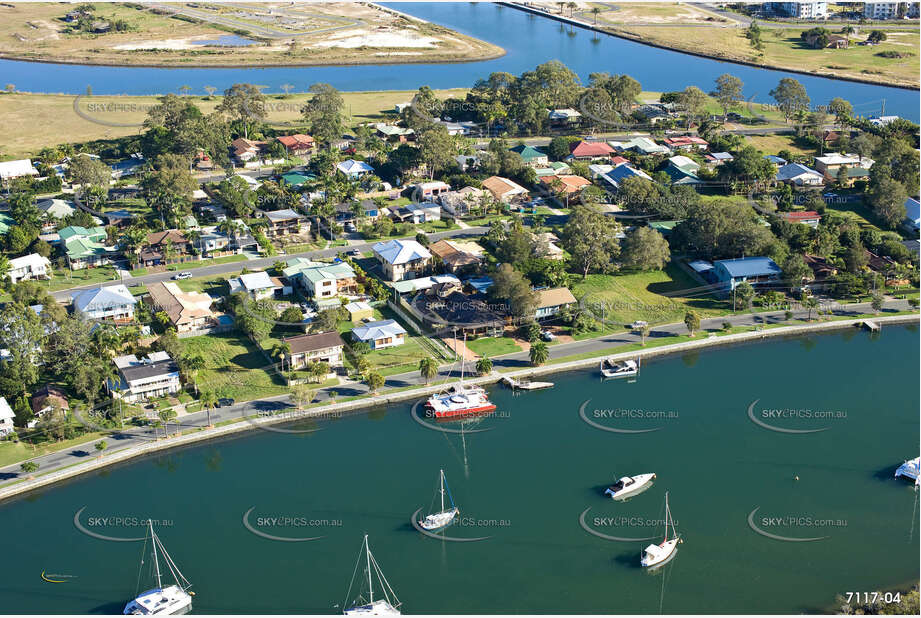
{"points": [[459, 400], [655, 555], [629, 485], [171, 600], [910, 470], [619, 369], [444, 517], [388, 606]]}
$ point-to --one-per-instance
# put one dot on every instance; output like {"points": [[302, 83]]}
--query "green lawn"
{"points": [[493, 346], [234, 367], [390, 361], [437, 226], [67, 278], [14, 452]]}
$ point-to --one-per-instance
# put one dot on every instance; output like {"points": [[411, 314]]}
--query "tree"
{"points": [[791, 97], [694, 100], [168, 187], [89, 173], [877, 36], [374, 381], [245, 104], [886, 198], [841, 109], [28, 467], [208, 401], [428, 368], [100, 447], [256, 318], [539, 353], [644, 332], [511, 286], [692, 321], [436, 147], [483, 365], [591, 239], [722, 229], [877, 303], [753, 34], [559, 148], [22, 336], [645, 249], [323, 113], [743, 293], [728, 92], [811, 303], [166, 416], [190, 365]]}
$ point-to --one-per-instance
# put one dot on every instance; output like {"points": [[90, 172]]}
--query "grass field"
{"points": [[50, 119], [493, 346], [235, 367], [772, 144], [13, 452]]}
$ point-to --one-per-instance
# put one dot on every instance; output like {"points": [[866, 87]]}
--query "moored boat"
{"points": [[629, 485], [162, 601], [444, 517], [910, 470], [657, 555], [388, 606], [619, 369]]}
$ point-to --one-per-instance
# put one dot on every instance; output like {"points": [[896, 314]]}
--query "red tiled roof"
{"points": [[801, 215], [615, 161], [591, 149], [684, 140], [298, 139]]}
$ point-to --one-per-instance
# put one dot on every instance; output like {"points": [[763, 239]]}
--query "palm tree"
{"points": [[375, 381], [166, 416], [208, 401], [539, 353], [185, 89], [210, 90], [644, 332], [692, 321], [484, 365], [287, 88], [595, 11], [428, 368], [811, 303], [572, 7], [190, 366], [194, 236]]}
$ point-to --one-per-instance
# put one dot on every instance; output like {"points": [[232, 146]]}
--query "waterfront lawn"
{"points": [[15, 452], [493, 346], [234, 367]]}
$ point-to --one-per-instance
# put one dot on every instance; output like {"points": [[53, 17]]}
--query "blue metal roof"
{"points": [[749, 267]]}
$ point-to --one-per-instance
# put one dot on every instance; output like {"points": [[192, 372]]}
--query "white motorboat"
{"points": [[619, 369], [910, 470], [629, 485], [444, 517], [163, 601], [657, 555], [388, 606]]}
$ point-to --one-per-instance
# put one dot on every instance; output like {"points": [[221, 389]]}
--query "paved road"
{"points": [[136, 436], [221, 269]]}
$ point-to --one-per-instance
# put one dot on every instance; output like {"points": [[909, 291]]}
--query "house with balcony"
{"points": [[381, 334], [165, 247], [187, 311], [285, 222], [140, 379], [317, 347], [32, 266], [402, 259], [85, 247], [754, 270], [321, 281], [257, 285], [113, 303]]}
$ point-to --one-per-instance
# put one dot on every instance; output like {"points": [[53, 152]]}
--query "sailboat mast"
{"points": [[368, 557], [441, 477], [667, 516], [463, 359], [153, 542]]}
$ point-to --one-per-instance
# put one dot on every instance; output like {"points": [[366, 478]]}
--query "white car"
{"points": [[183, 275], [639, 324], [547, 335]]}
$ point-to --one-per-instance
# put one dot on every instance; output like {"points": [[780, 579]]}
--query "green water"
{"points": [[534, 472]]}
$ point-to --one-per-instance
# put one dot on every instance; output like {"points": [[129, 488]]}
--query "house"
{"points": [[429, 190], [391, 132], [821, 267], [454, 257], [145, 378], [806, 217], [256, 285], [7, 418], [458, 202], [246, 150], [187, 311], [505, 190], [530, 155], [320, 280], [912, 215], [852, 174], [798, 10], [799, 174], [563, 117], [402, 259], [55, 209], [84, 248], [17, 169], [164, 247], [113, 303], [359, 311], [621, 173], [718, 158], [345, 211], [882, 121], [882, 11], [754, 270], [830, 164], [564, 186], [45, 400], [297, 144], [686, 142], [354, 169], [777, 161], [458, 128], [421, 213], [549, 246], [554, 168], [551, 301], [285, 222], [127, 167], [641, 145], [32, 266], [380, 334], [663, 227], [318, 347], [586, 151], [683, 170]]}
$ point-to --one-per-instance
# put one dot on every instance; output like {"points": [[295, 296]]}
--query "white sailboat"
{"points": [[656, 555], [171, 600], [444, 517], [388, 606]]}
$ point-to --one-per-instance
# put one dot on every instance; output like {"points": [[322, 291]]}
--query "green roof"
{"points": [[79, 248], [663, 225], [528, 153], [295, 179], [76, 231]]}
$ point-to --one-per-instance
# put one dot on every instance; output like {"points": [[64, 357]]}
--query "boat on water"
{"points": [[389, 605], [910, 470], [619, 369], [657, 555], [444, 517], [629, 485], [525, 384], [162, 601], [459, 400]]}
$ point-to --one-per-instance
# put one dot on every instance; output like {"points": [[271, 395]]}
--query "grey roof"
{"points": [[283, 215], [378, 330], [102, 298]]}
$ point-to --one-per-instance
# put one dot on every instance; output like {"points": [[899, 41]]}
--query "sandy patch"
{"points": [[175, 44], [351, 39]]}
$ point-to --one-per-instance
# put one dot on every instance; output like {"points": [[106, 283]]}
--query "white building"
{"points": [[6, 418], [881, 10], [140, 379], [16, 169], [32, 266], [380, 334], [257, 285], [800, 10], [402, 259], [114, 303]]}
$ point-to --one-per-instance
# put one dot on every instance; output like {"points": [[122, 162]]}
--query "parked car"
{"points": [[183, 275], [639, 324], [829, 196], [224, 402], [355, 253], [546, 335]]}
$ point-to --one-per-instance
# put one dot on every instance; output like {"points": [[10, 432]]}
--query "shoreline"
{"points": [[246, 424], [629, 36]]}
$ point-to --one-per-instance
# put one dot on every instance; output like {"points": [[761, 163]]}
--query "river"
{"points": [[528, 39], [524, 482]]}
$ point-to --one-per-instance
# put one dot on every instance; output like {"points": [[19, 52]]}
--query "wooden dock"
{"points": [[870, 325]]}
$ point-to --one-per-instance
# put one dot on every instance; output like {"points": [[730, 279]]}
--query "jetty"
{"points": [[525, 384], [870, 325]]}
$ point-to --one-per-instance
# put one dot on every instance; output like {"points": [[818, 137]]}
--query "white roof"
{"points": [[55, 208], [836, 158], [378, 330], [683, 161], [15, 169], [358, 305], [248, 179], [33, 260], [351, 166], [6, 412], [252, 281], [401, 251], [103, 298], [564, 113]]}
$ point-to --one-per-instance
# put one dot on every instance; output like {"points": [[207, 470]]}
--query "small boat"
{"points": [[444, 517], [388, 606], [171, 600], [619, 369], [910, 470], [656, 555], [629, 485], [525, 384]]}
